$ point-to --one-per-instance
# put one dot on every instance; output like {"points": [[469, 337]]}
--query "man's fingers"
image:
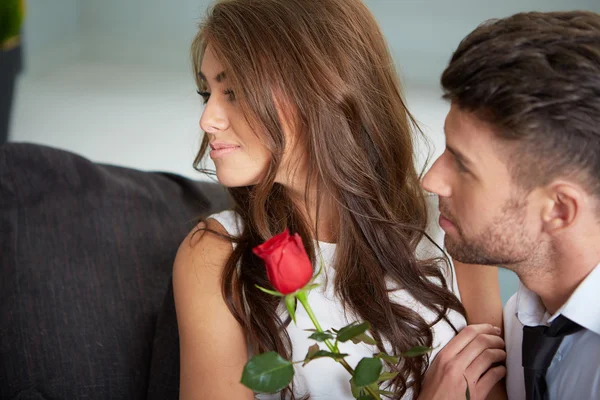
{"points": [[483, 362], [489, 379], [466, 336]]}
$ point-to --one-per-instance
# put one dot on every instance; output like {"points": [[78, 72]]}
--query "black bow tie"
{"points": [[540, 343]]}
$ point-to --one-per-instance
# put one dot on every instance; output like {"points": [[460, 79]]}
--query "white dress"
{"points": [[324, 378]]}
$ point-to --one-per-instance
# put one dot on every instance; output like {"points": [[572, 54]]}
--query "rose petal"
{"points": [[271, 244]]}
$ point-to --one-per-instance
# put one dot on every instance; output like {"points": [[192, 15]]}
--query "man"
{"points": [[519, 187]]}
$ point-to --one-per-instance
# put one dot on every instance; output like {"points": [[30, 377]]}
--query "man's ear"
{"points": [[562, 206]]}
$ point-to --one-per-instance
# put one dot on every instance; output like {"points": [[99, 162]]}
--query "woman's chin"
{"points": [[233, 180]]}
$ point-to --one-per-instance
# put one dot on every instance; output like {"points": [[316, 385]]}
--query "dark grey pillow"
{"points": [[86, 252], [164, 368]]}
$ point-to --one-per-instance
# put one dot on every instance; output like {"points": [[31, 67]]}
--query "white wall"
{"points": [[142, 32], [422, 33], [51, 31]]}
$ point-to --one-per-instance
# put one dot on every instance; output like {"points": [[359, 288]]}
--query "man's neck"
{"points": [[556, 281]]}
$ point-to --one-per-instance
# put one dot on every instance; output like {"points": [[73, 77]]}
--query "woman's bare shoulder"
{"points": [[213, 348], [204, 249]]}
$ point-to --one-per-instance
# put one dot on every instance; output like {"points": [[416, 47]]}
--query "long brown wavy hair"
{"points": [[329, 60]]}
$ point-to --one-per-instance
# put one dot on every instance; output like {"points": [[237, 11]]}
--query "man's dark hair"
{"points": [[535, 78]]}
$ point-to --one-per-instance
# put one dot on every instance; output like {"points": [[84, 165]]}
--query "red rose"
{"points": [[288, 265]]}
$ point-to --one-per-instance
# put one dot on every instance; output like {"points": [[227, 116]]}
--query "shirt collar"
{"points": [[583, 307], [530, 310]]}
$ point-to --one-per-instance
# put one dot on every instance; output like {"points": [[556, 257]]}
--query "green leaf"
{"points": [[290, 303], [271, 292], [386, 392], [363, 337], [367, 371], [354, 389], [416, 351], [311, 286], [374, 387], [312, 350], [267, 373], [321, 336], [314, 330], [365, 397], [386, 376], [387, 357], [352, 330], [322, 354], [468, 393]]}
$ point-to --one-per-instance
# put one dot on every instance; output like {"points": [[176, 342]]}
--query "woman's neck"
{"points": [[318, 210]]}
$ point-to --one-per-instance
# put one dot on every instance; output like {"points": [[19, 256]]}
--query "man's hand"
{"points": [[469, 357]]}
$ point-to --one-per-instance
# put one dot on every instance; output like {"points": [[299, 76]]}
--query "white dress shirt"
{"points": [[575, 369]]}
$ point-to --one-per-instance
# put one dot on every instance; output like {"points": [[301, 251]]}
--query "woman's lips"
{"points": [[222, 150]]}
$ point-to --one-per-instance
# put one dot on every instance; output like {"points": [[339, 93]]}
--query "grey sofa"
{"points": [[86, 250]]}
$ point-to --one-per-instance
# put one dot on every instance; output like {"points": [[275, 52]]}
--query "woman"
{"points": [[306, 125]]}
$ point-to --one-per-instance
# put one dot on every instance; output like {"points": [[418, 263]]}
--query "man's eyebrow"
{"points": [[459, 156]]}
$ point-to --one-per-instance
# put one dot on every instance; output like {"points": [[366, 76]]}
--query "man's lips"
{"points": [[445, 223]]}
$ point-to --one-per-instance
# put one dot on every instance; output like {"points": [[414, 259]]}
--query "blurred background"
{"points": [[111, 79]]}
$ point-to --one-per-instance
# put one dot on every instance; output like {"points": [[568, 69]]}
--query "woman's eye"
{"points": [[461, 167], [205, 95], [230, 94]]}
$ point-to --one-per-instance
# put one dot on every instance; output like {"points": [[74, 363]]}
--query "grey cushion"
{"points": [[86, 252]]}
